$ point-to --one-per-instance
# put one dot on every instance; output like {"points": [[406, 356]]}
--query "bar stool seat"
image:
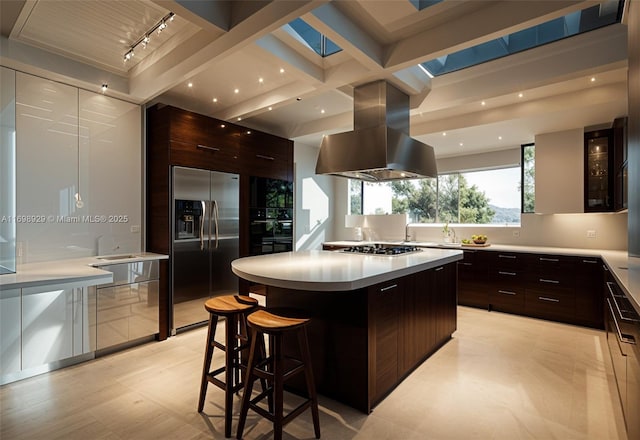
{"points": [[234, 308], [272, 369]]}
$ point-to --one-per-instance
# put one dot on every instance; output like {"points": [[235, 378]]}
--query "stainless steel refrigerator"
{"points": [[205, 240]]}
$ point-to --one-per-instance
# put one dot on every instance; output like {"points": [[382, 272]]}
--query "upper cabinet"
{"points": [[7, 170], [605, 171], [598, 165], [78, 173], [559, 172]]}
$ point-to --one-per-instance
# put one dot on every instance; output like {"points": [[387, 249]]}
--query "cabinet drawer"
{"points": [[514, 260], [507, 298], [507, 277], [552, 282], [545, 303], [207, 156]]}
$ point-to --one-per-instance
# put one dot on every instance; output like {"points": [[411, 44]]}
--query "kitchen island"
{"points": [[374, 318]]}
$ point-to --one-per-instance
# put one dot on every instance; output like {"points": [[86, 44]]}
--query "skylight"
{"points": [[554, 30], [422, 4], [314, 39]]}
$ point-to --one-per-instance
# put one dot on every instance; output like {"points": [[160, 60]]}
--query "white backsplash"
{"points": [[554, 230]]}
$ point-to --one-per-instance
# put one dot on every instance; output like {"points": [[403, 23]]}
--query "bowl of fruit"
{"points": [[479, 239]]}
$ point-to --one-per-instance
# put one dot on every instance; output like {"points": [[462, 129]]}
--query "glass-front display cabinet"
{"points": [[598, 176]]}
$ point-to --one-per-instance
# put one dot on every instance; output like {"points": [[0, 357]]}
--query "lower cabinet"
{"points": [[127, 308], [473, 273], [44, 325], [410, 318]]}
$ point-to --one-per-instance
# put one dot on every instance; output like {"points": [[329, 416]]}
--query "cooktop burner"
{"points": [[380, 249]]}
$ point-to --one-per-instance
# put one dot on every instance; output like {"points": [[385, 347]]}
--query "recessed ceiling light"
{"points": [[444, 133], [500, 138], [593, 79], [239, 118], [215, 99], [248, 131], [322, 111], [260, 80], [236, 91], [461, 144], [298, 99], [483, 103], [520, 95], [281, 70], [190, 85], [270, 108], [222, 125]]}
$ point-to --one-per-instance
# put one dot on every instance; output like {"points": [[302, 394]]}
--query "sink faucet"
{"points": [[453, 232], [407, 236]]}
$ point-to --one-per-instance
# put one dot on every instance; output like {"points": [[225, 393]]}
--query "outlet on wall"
{"points": [[516, 234], [591, 233]]}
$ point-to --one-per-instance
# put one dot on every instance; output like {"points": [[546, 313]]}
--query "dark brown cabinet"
{"points": [[177, 137], [473, 277], [598, 175], [588, 293], [620, 166], [507, 281]]}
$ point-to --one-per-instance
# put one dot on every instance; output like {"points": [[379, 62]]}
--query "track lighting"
{"points": [[104, 88], [144, 40]]}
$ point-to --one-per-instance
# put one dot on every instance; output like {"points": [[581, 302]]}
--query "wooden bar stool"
{"points": [[234, 308], [272, 369]]}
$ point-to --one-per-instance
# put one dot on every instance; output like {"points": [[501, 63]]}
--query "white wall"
{"points": [[315, 201]]}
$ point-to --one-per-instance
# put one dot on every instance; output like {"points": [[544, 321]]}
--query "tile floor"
{"points": [[500, 377]]}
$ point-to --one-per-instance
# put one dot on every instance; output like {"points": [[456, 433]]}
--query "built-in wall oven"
{"points": [[622, 325]]}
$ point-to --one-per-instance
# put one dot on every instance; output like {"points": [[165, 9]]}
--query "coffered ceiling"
{"points": [[239, 61]]}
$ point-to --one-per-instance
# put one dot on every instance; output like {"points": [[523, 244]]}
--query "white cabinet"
{"points": [[111, 171], [75, 145], [7, 170], [47, 165], [560, 172], [47, 325], [9, 331]]}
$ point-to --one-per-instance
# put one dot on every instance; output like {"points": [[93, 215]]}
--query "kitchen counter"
{"points": [[336, 271], [78, 270], [625, 269]]}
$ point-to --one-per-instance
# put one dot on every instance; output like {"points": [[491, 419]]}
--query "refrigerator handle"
{"points": [[215, 219], [202, 217]]}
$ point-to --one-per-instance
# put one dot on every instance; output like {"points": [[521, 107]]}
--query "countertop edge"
{"points": [[337, 286], [81, 271]]}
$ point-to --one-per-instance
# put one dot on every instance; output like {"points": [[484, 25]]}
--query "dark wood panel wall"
{"points": [[180, 137], [633, 49]]}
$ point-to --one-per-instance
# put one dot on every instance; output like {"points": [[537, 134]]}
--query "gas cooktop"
{"points": [[380, 249]]}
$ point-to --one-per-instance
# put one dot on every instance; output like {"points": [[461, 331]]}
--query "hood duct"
{"points": [[379, 148]]}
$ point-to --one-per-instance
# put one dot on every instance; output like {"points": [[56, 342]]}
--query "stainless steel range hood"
{"points": [[379, 148]]}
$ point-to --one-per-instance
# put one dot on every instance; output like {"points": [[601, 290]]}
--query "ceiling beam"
{"points": [[488, 23], [203, 13], [182, 64]]}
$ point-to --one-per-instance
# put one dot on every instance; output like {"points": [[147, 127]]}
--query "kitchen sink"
{"points": [[117, 257]]}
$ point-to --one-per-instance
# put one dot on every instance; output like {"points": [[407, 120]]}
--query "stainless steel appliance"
{"points": [[382, 249], [205, 241]]}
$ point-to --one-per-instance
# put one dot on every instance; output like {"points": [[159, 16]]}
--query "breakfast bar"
{"points": [[374, 318]]}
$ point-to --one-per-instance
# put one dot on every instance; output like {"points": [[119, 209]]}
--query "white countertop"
{"points": [[625, 269], [336, 271], [78, 270]]}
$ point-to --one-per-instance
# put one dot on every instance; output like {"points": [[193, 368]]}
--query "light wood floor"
{"points": [[500, 377]]}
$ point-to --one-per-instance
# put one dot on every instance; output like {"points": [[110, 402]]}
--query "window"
{"points": [[528, 178], [571, 24], [355, 196], [479, 197], [319, 43]]}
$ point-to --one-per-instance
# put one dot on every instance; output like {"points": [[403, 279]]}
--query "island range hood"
{"points": [[379, 148]]}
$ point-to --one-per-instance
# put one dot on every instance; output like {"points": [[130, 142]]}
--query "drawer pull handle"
{"points": [[590, 261], [262, 156], [544, 280], [466, 264], [205, 147], [513, 257], [507, 273], [384, 289], [544, 298], [622, 338], [553, 260], [507, 292], [438, 269]]}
